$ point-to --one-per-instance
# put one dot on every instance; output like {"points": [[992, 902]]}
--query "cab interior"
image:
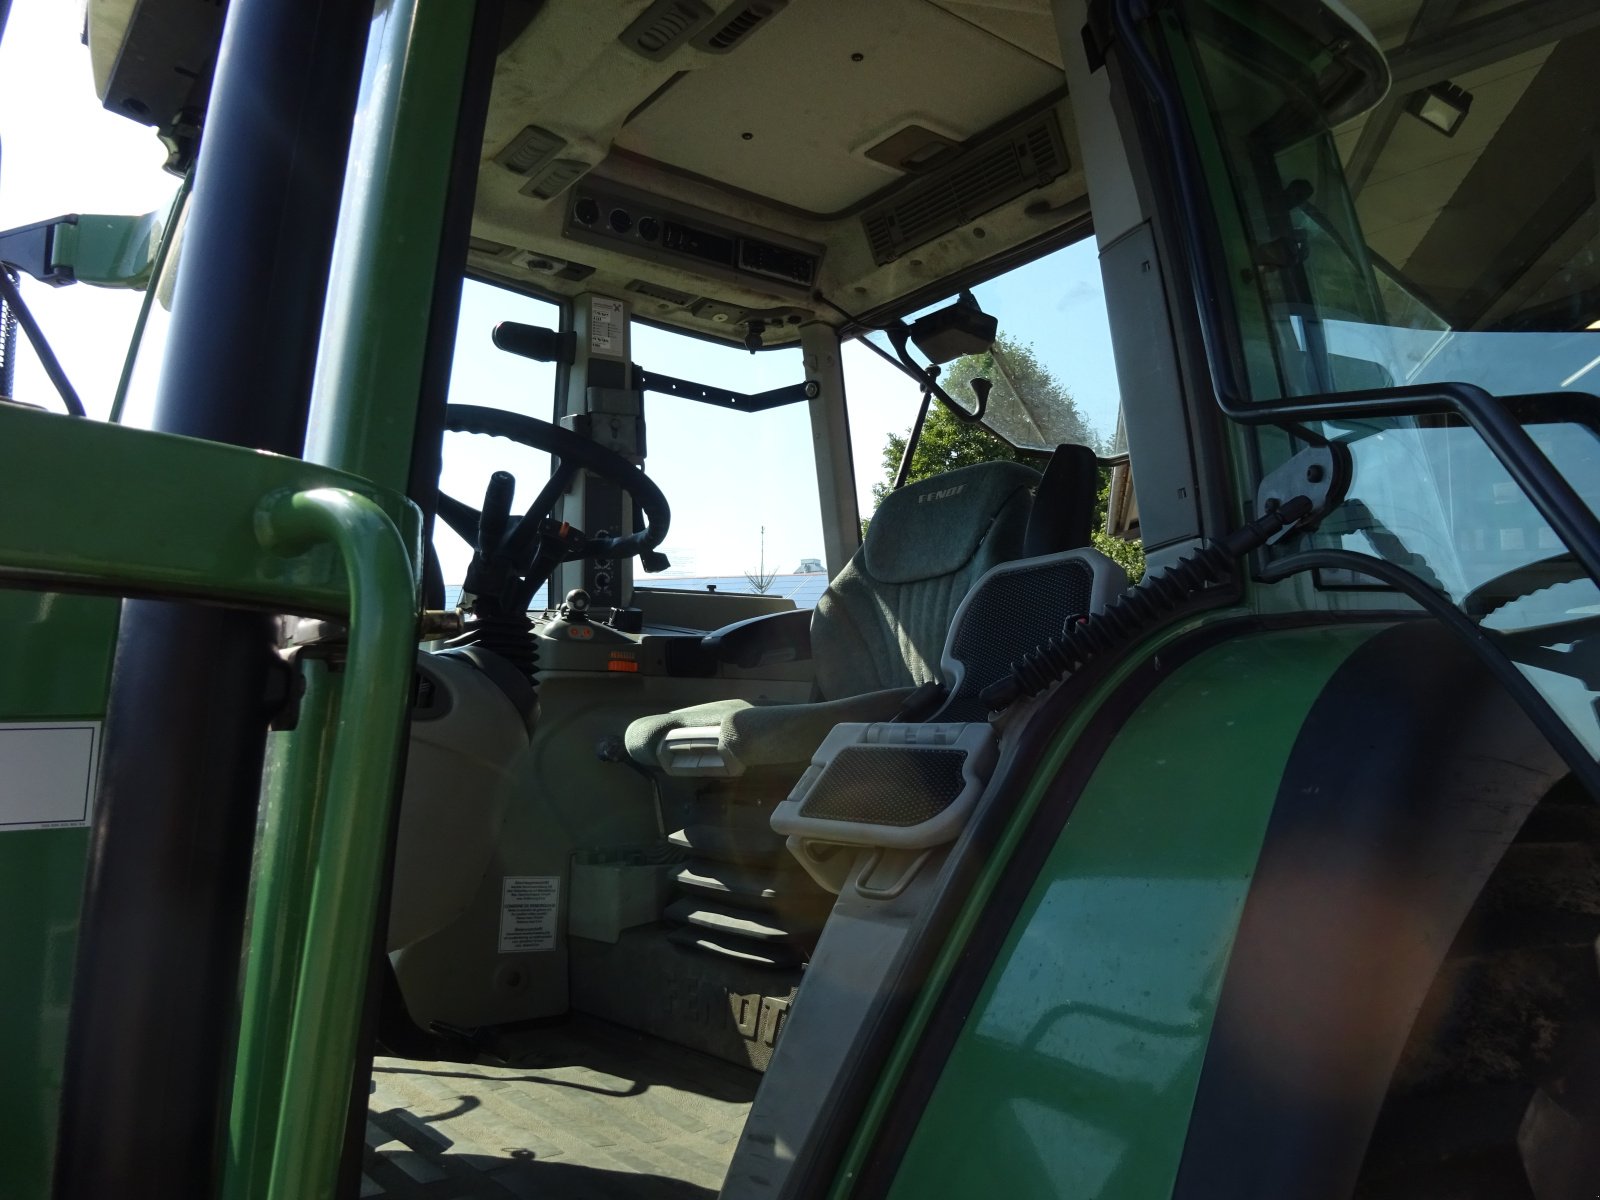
{"points": [[599, 946]]}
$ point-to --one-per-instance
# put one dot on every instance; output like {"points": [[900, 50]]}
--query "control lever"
{"points": [[980, 388], [576, 606], [488, 574], [496, 513], [535, 342]]}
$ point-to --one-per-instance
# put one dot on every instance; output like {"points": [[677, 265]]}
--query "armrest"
{"points": [[774, 637]]}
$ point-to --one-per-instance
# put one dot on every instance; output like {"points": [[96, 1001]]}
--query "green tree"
{"points": [[948, 442]]}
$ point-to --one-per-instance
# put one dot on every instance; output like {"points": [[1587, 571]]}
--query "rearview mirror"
{"points": [[955, 330]]}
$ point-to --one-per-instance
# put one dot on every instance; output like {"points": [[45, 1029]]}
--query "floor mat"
{"points": [[582, 1110]]}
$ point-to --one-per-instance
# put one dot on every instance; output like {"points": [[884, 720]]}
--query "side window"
{"points": [[482, 374], [742, 485], [1053, 380]]}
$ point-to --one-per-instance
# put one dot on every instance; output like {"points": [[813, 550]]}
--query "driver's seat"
{"points": [[875, 635]]}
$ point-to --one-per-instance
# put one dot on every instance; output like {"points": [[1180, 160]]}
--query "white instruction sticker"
{"points": [[608, 328], [47, 773], [528, 909]]}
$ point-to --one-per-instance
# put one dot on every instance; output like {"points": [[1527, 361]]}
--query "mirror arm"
{"points": [[30, 248], [107, 251], [899, 334], [911, 441]]}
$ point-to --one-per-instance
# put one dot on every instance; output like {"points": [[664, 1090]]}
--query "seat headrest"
{"points": [[934, 526], [1064, 504]]}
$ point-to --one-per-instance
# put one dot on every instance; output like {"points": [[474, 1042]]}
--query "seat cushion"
{"points": [[760, 735]]}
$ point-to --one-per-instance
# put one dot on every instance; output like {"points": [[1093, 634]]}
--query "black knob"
{"points": [[621, 221], [649, 228], [576, 607], [586, 211]]}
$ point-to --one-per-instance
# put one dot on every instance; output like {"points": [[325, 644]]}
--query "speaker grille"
{"points": [[886, 785]]}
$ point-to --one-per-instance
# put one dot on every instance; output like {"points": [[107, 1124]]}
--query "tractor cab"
{"points": [[702, 378], [789, 598]]}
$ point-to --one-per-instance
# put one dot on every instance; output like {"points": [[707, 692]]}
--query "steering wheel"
{"points": [[513, 557], [1525, 580]]}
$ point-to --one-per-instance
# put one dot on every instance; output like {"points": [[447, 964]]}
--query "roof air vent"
{"points": [[976, 181], [736, 23], [664, 26], [530, 148]]}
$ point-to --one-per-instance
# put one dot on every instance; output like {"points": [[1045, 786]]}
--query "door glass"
{"points": [[1450, 233], [1447, 234], [484, 375], [742, 485]]}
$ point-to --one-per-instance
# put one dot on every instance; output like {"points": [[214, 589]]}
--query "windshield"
{"points": [[1449, 234]]}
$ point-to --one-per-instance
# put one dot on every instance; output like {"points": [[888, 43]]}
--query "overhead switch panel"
{"points": [[610, 215]]}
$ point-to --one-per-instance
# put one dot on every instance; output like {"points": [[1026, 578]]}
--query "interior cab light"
{"points": [[1442, 105]]}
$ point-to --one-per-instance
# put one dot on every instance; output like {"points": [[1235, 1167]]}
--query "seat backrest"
{"points": [[1064, 502], [884, 618], [1015, 607]]}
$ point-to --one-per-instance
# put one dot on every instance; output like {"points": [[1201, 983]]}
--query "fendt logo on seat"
{"points": [[942, 494]]}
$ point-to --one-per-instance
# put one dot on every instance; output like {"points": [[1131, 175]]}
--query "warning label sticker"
{"points": [[47, 771], [528, 908], [608, 328]]}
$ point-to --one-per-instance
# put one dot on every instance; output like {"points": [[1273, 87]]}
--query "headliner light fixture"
{"points": [[1442, 105]]}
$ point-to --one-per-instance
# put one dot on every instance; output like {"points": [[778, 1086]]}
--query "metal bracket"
{"points": [[1319, 473], [794, 393], [30, 248]]}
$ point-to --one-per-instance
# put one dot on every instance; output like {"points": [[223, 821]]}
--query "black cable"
{"points": [[8, 351], [848, 316], [1138, 609], [47, 359]]}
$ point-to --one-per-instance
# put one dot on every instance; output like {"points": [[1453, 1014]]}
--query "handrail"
{"points": [[333, 951], [1497, 420], [113, 510]]}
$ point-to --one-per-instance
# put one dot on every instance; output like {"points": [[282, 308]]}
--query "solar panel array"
{"points": [[804, 590]]}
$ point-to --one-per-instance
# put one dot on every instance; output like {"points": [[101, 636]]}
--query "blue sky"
{"points": [[727, 475]]}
